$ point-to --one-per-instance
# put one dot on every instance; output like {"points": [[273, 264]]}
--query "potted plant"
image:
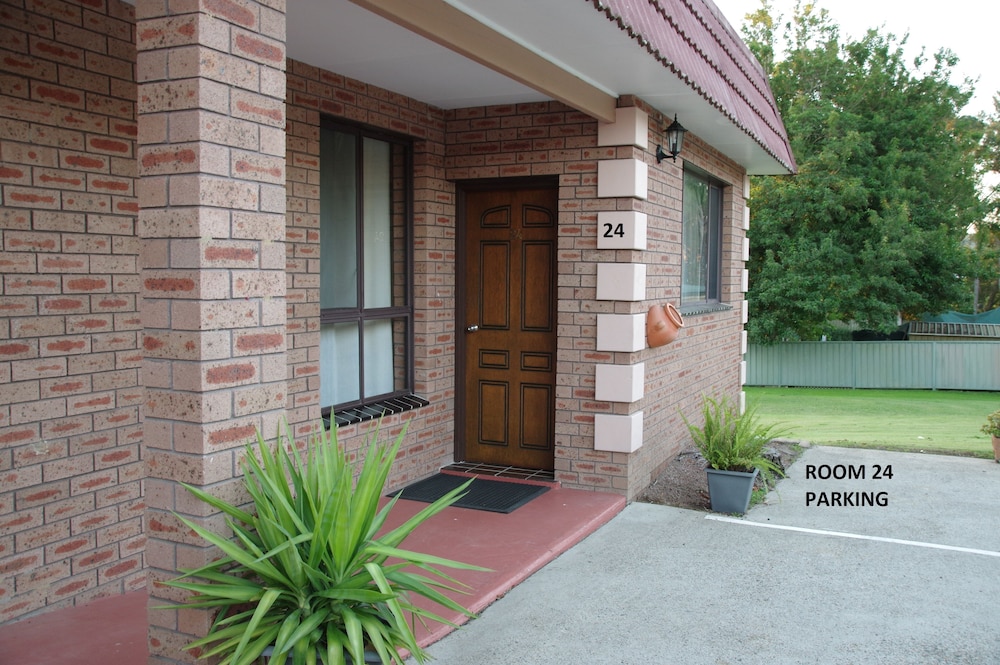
{"points": [[992, 427], [733, 447], [308, 577]]}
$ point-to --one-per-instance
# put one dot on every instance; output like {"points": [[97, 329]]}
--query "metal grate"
{"points": [[360, 414]]}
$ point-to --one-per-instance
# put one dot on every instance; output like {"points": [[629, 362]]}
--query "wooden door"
{"points": [[510, 326]]}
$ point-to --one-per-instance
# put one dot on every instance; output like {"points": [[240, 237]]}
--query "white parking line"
{"points": [[856, 536]]}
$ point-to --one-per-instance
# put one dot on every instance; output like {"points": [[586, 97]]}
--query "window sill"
{"points": [[704, 308], [359, 414]]}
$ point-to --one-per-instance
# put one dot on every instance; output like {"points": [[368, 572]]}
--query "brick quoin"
{"points": [[259, 48], [231, 373], [169, 284], [273, 114], [214, 253], [260, 341], [225, 436], [110, 145], [179, 156], [121, 568], [231, 11]]}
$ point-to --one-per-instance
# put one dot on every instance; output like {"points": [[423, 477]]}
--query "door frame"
{"points": [[462, 188]]}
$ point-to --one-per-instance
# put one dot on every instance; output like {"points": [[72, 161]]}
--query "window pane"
{"points": [[339, 374], [338, 220], [364, 267], [379, 357], [377, 224], [696, 246]]}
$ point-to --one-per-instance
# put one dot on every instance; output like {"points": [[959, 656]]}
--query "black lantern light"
{"points": [[674, 135]]}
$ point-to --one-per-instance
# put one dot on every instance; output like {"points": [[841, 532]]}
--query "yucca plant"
{"points": [[733, 441], [308, 574]]}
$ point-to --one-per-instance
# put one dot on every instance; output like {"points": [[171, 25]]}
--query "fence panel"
{"points": [[899, 365]]}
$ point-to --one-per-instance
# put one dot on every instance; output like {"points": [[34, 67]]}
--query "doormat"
{"points": [[493, 495]]}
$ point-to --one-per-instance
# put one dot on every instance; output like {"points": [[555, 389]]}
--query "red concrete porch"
{"points": [[112, 631]]}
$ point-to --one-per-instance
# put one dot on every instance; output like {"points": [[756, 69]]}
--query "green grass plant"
{"points": [[310, 570], [943, 421]]}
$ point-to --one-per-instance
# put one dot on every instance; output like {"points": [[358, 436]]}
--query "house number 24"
{"points": [[612, 230]]}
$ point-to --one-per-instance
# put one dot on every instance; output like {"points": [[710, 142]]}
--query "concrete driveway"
{"points": [[914, 581]]}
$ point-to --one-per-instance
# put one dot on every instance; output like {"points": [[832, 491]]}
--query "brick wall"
{"points": [[549, 138], [71, 467], [705, 359], [495, 142]]}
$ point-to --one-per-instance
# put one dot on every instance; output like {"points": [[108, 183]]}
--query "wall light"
{"points": [[674, 135]]}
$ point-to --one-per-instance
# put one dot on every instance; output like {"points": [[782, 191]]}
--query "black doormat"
{"points": [[483, 494]]}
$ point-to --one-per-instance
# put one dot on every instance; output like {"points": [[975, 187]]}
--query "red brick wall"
{"points": [[549, 138], [70, 421], [70, 424], [514, 141], [705, 359]]}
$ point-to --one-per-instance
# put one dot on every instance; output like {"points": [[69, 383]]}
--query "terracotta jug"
{"points": [[663, 324]]}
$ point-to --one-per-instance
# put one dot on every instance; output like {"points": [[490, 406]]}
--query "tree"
{"points": [[985, 241], [872, 227]]}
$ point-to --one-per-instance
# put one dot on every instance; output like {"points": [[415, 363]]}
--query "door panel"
{"points": [[510, 343]]}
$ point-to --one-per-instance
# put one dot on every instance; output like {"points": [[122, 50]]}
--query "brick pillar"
{"points": [[211, 163]]}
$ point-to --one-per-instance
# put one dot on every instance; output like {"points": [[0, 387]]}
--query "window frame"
{"points": [[373, 406], [716, 230]]}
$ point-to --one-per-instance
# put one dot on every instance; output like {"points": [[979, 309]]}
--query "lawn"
{"points": [[912, 420]]}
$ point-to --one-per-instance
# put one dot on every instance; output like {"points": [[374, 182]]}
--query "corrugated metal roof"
{"points": [[984, 330], [693, 40]]}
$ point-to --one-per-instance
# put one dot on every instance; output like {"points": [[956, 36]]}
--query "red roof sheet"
{"points": [[692, 39]]}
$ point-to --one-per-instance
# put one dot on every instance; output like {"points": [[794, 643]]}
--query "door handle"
{"points": [[473, 328]]}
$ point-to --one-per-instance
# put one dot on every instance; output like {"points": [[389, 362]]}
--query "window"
{"points": [[701, 260], [366, 315]]}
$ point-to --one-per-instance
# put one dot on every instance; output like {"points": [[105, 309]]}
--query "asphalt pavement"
{"points": [[858, 557]]}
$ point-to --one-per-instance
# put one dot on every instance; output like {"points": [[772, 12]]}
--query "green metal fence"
{"points": [[916, 365]]}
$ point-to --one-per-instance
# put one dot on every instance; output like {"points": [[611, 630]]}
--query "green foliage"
{"points": [[731, 441], [307, 571], [992, 425], [985, 278], [873, 224]]}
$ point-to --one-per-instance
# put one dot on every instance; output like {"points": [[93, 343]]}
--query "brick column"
{"points": [[211, 163]]}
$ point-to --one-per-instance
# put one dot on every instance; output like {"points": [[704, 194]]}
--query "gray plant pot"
{"points": [[370, 657], [730, 490]]}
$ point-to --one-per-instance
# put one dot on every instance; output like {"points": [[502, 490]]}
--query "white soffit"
{"points": [[339, 36]]}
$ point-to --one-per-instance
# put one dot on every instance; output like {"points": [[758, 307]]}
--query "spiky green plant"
{"points": [[733, 441], [308, 572]]}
